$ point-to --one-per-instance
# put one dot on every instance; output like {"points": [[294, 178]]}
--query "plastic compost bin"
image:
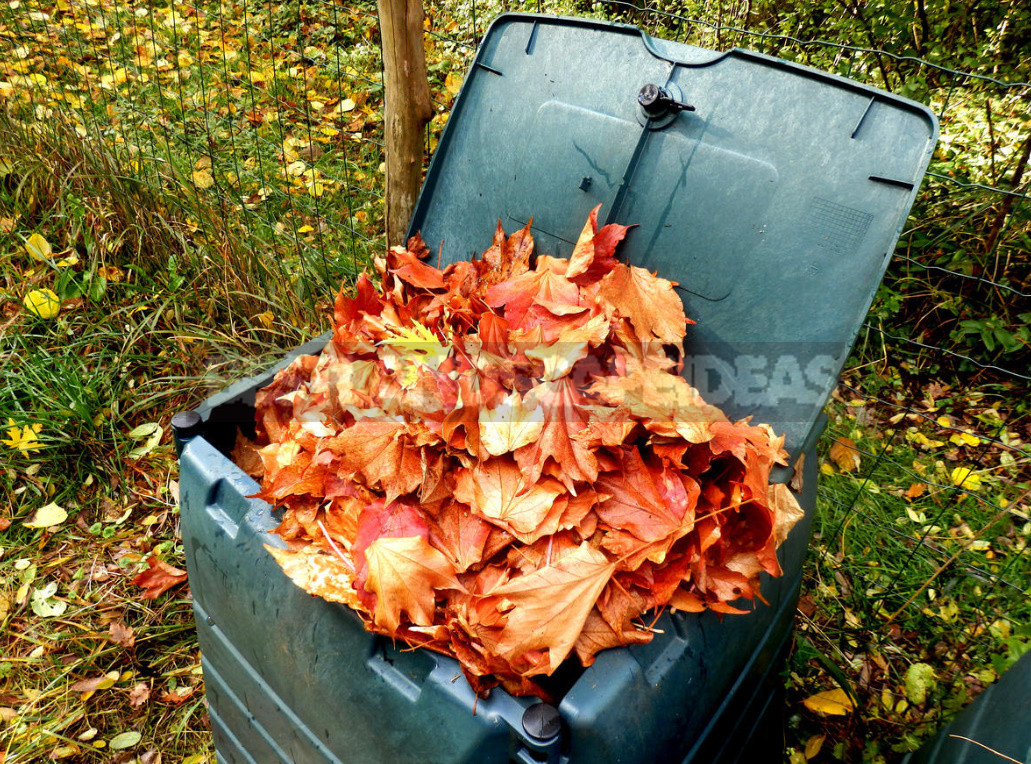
{"points": [[774, 194], [992, 729]]}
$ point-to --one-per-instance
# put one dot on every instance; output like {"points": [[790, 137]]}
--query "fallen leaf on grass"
{"points": [[178, 695], [42, 303], [124, 740], [47, 517], [152, 431], [139, 694], [918, 681], [23, 438], [964, 477], [38, 247], [44, 604], [159, 578], [89, 686], [844, 454], [834, 702], [915, 491], [121, 634], [813, 746]]}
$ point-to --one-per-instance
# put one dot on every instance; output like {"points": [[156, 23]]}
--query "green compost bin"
{"points": [[774, 194], [994, 728]]}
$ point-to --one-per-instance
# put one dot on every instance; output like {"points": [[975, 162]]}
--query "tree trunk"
{"points": [[407, 109]]}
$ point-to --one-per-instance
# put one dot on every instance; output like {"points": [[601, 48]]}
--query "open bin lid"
{"points": [[775, 203]]}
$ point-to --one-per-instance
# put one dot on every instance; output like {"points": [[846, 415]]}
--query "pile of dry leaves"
{"points": [[499, 461]]}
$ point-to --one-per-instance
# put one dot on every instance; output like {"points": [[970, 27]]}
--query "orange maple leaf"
{"points": [[593, 254], [404, 573], [158, 578], [650, 506], [497, 491], [550, 606], [648, 301], [564, 417]]}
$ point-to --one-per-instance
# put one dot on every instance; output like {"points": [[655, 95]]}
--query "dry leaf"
{"points": [[91, 685], [844, 454], [139, 694], [121, 634], [159, 578], [550, 606], [46, 517], [915, 490], [834, 702], [404, 574], [813, 746], [649, 302], [177, 696], [798, 474]]}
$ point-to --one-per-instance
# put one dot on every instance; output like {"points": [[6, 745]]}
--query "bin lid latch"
{"points": [[659, 102]]}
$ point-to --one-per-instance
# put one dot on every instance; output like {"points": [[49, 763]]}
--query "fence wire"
{"points": [[270, 115]]}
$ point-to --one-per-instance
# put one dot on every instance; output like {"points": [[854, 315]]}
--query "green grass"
{"points": [[908, 568], [150, 319]]}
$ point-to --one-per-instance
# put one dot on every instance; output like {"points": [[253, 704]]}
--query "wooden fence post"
{"points": [[407, 109]]}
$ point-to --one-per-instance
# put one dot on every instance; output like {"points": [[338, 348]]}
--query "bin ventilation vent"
{"points": [[839, 229]]}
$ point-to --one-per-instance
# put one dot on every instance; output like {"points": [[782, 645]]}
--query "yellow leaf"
{"points": [[944, 421], [964, 439], [47, 517], [844, 454], [110, 273], [23, 438], [453, 83], [964, 477], [42, 303], [418, 343], [346, 105], [38, 247], [266, 319], [813, 746], [305, 229], [834, 702], [509, 425], [202, 179]]}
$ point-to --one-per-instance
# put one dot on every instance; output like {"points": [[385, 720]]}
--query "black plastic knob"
{"points": [[542, 721], [186, 424], [657, 101]]}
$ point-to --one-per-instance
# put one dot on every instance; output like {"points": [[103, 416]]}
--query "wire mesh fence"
{"points": [[260, 126]]}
